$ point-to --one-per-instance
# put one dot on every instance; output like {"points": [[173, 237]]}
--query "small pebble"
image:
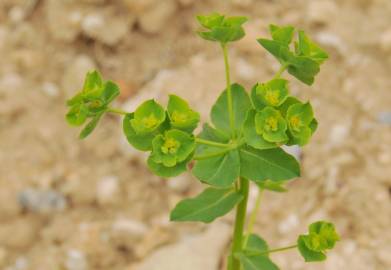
{"points": [[42, 201]]}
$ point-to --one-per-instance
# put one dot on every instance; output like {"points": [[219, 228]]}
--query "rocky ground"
{"points": [[79, 205]]}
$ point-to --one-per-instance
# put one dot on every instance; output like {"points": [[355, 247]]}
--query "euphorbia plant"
{"points": [[242, 143]]}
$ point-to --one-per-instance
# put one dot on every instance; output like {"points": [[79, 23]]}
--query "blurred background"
{"points": [[92, 204]]}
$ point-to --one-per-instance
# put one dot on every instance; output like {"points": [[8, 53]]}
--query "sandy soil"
{"points": [[76, 205]]}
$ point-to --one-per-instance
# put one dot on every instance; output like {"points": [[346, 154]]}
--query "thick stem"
{"points": [[229, 92], [211, 143], [239, 223]]}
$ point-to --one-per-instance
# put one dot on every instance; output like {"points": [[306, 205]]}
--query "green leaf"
{"points": [[304, 69], [287, 103], [309, 255], [210, 21], [307, 47], [148, 117], [207, 206], [110, 92], [77, 115], [140, 142], [255, 244], [300, 117], [180, 114], [282, 34], [240, 103], [277, 49], [223, 34], [255, 100], [276, 186], [273, 164], [90, 126], [166, 172], [92, 82], [221, 171], [251, 137]]}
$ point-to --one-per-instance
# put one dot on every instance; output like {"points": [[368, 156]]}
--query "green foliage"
{"points": [[321, 237], [249, 261], [220, 28], [242, 142], [180, 114], [304, 62], [274, 164], [207, 206], [220, 111], [91, 102]]}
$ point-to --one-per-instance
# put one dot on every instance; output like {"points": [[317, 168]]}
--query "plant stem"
{"points": [[271, 251], [229, 92], [239, 223], [211, 155], [253, 216], [117, 111], [280, 71], [212, 143]]}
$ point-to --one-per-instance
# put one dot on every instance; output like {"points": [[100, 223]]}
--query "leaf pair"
{"points": [[304, 62], [167, 134], [220, 28], [322, 236], [91, 102]]}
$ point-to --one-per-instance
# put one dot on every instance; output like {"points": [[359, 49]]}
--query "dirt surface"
{"points": [[92, 204]]}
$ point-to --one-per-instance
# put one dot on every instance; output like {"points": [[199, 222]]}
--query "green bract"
{"points": [[180, 114], [91, 102], [242, 143], [273, 93], [322, 236], [222, 29], [172, 148], [304, 61], [299, 117], [148, 117], [270, 124]]}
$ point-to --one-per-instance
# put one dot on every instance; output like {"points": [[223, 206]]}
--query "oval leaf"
{"points": [[221, 171], [207, 206], [240, 104], [274, 164]]}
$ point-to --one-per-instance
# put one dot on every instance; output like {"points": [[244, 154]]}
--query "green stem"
{"points": [[253, 216], [271, 251], [117, 111], [212, 143], [280, 71], [213, 154], [229, 92], [239, 223]]}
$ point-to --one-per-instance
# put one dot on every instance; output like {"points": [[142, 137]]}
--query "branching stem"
{"points": [[280, 71], [211, 143], [117, 111], [271, 251]]}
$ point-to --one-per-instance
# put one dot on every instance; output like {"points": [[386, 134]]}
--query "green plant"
{"points": [[242, 144]]}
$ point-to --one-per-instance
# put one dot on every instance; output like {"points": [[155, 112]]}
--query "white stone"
{"points": [[129, 228], [193, 252], [385, 40], [180, 183], [153, 19], [73, 79], [76, 260], [332, 40], [288, 224], [16, 14], [108, 190], [244, 69], [50, 89], [321, 11], [339, 133]]}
